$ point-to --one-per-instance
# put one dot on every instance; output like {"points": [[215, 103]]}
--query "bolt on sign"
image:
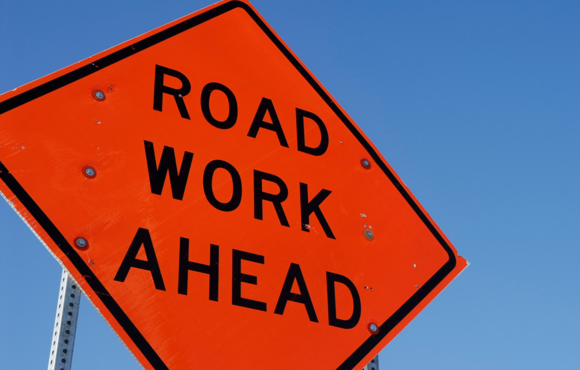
{"points": [[216, 204]]}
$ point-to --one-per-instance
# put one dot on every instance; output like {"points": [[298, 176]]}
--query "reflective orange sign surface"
{"points": [[217, 205]]}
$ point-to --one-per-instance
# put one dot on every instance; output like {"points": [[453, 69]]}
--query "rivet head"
{"points": [[98, 95], [89, 172], [365, 163], [369, 234], [81, 243], [373, 328]]}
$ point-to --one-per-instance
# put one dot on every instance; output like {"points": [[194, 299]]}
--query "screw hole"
{"points": [[89, 172], [99, 95], [81, 243], [369, 234]]}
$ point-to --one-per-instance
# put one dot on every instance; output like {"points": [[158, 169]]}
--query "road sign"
{"points": [[216, 204]]}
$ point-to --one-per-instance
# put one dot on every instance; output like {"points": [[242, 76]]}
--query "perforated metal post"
{"points": [[65, 324], [373, 365]]}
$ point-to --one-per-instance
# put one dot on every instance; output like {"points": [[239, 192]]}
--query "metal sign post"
{"points": [[65, 325], [373, 365]]}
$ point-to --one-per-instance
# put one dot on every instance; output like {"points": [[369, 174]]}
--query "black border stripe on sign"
{"points": [[367, 346]]}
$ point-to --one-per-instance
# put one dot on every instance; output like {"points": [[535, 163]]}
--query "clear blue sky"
{"points": [[474, 103]]}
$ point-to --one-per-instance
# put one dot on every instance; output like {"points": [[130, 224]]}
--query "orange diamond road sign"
{"points": [[216, 204]]}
